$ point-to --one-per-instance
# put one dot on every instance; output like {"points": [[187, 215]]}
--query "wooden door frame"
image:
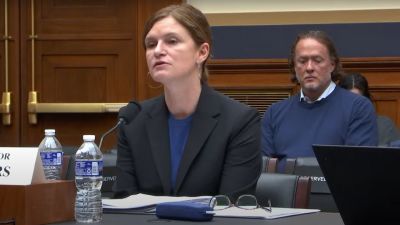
{"points": [[9, 134]]}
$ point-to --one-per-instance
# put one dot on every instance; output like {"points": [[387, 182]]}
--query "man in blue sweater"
{"points": [[322, 113]]}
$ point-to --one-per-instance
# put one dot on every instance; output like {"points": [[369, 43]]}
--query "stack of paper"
{"points": [[262, 213], [142, 203]]}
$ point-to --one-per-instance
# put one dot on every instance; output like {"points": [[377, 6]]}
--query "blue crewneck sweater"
{"points": [[290, 127], [178, 134]]}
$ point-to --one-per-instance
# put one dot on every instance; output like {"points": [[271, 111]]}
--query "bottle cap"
{"points": [[49, 132], [89, 137]]}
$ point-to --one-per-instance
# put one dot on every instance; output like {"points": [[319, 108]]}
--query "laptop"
{"points": [[364, 182]]}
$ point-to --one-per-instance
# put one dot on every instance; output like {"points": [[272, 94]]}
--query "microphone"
{"points": [[125, 115], [129, 112]]}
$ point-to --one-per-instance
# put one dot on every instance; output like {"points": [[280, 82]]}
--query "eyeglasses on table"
{"points": [[248, 202]]}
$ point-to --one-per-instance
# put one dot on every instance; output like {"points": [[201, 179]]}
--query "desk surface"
{"points": [[308, 219]]}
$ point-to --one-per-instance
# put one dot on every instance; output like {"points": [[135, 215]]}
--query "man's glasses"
{"points": [[248, 202]]}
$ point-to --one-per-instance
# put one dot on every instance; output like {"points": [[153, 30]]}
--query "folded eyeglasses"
{"points": [[248, 202]]}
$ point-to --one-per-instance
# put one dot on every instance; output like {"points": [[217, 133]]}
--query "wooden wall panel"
{"points": [[9, 134], [383, 75], [258, 83], [387, 102], [86, 19], [257, 73], [269, 79], [62, 74], [85, 52]]}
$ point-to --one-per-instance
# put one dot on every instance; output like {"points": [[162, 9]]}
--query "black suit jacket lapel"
{"points": [[157, 131], [203, 123]]}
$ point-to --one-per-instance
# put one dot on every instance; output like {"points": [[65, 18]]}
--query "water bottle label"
{"points": [[88, 168], [51, 158]]}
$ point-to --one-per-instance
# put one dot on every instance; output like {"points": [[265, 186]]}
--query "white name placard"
{"points": [[20, 166]]}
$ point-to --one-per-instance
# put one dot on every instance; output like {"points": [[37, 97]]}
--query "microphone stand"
{"points": [[109, 131], [126, 115]]}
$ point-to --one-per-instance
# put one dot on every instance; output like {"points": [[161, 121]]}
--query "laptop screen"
{"points": [[364, 181]]}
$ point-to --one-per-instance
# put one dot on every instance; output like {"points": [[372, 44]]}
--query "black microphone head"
{"points": [[128, 113]]}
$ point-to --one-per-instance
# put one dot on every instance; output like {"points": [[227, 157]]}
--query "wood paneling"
{"points": [[387, 102], [85, 52], [41, 203], [383, 75], [89, 19], [247, 77], [9, 134]]}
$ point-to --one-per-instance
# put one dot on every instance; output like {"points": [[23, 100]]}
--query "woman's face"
{"points": [[171, 53]]}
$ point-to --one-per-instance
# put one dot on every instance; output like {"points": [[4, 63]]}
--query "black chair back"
{"points": [[283, 190], [321, 197], [269, 164]]}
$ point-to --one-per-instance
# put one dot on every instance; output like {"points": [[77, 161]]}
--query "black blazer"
{"points": [[221, 156]]}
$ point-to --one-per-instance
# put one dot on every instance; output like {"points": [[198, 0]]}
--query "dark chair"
{"points": [[284, 190], [290, 165], [269, 164], [65, 166], [320, 197], [109, 172], [70, 174], [70, 150]]}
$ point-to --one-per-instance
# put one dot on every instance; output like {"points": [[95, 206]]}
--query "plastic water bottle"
{"points": [[88, 180], [52, 155]]}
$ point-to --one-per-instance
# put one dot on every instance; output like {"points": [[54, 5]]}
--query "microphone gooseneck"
{"points": [[120, 121], [125, 116]]}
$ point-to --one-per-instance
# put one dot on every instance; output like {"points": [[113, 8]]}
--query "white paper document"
{"points": [[143, 200], [262, 213]]}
